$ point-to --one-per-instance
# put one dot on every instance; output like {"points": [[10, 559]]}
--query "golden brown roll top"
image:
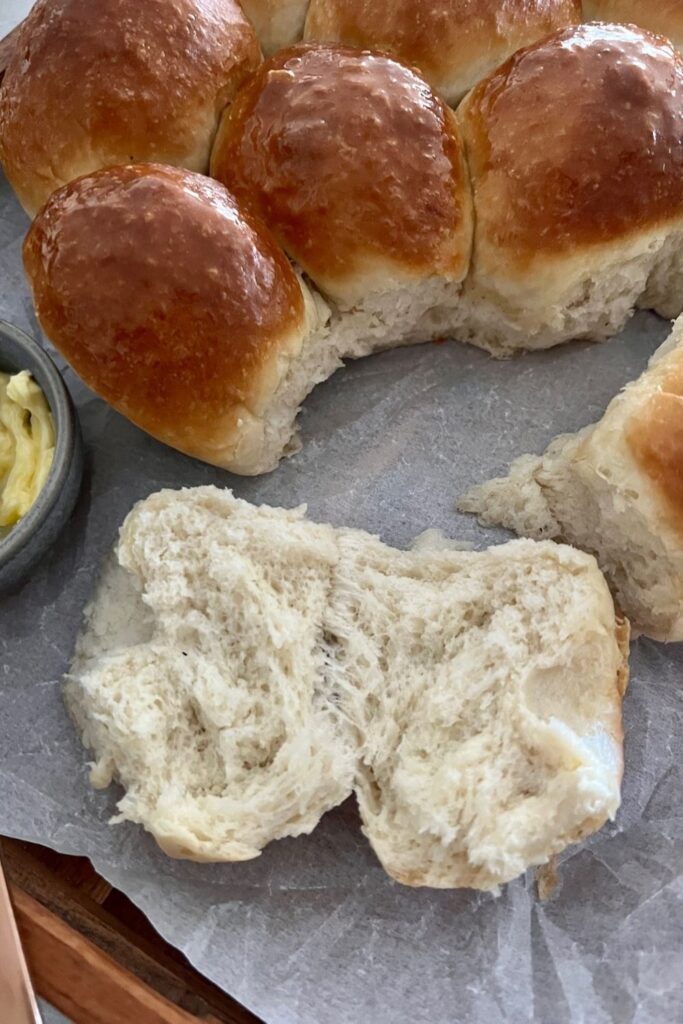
{"points": [[664, 17], [174, 306], [654, 436], [574, 143], [454, 43], [118, 81], [354, 164], [278, 23]]}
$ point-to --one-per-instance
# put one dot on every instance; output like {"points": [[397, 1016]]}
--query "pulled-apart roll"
{"points": [[175, 306], [662, 16], [575, 150], [614, 489], [358, 169], [454, 43], [118, 81]]}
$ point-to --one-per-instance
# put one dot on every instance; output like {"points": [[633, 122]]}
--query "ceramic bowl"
{"points": [[22, 548]]}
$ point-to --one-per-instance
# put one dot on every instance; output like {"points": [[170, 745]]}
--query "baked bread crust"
{"points": [[664, 17], [544, 187], [356, 166], [139, 268], [614, 489], [134, 81], [453, 42]]}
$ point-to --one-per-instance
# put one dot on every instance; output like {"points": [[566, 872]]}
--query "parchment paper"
{"points": [[313, 932]]}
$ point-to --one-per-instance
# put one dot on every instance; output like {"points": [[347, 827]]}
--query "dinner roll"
{"points": [[663, 16], [575, 150], [615, 489], [175, 306], [358, 169], [278, 23], [454, 43], [91, 85]]}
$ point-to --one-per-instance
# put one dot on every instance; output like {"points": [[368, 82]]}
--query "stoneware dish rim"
{"points": [[26, 354]]}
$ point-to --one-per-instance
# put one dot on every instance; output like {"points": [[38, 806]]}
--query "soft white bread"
{"points": [[614, 489], [359, 171], [454, 43], [261, 658], [90, 85], [664, 17], [278, 23], [486, 691], [199, 681], [574, 148], [179, 309]]}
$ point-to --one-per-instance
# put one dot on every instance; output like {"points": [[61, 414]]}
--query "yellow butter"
{"points": [[27, 444]]}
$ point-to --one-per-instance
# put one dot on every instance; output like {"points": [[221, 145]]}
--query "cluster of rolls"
{"points": [[355, 202]]}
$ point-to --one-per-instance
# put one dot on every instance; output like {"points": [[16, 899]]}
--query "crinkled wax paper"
{"points": [[313, 932]]}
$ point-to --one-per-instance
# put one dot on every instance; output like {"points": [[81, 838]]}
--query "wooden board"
{"points": [[94, 956]]}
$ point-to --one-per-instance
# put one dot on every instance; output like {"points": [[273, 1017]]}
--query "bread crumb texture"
{"points": [[243, 669]]}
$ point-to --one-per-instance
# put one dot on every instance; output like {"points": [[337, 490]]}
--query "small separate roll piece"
{"points": [[454, 43], [358, 169], [662, 16], [575, 149], [175, 306], [119, 81], [278, 23], [614, 489]]}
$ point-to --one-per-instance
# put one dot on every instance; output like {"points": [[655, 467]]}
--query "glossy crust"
{"points": [[654, 436], [170, 303], [278, 23], [662, 16], [454, 43], [575, 142], [354, 164], [118, 81]]}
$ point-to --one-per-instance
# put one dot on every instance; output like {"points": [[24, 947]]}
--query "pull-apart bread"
{"points": [[454, 43], [118, 81], [161, 286], [665, 17], [178, 308], [359, 171], [575, 149], [353, 211], [614, 489], [243, 669]]}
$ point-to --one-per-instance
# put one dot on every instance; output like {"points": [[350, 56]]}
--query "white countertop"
{"points": [[11, 13]]}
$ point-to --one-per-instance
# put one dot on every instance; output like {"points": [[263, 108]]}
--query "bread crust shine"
{"points": [[662, 16], [654, 433], [563, 138], [177, 308], [354, 163], [118, 81], [454, 43]]}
